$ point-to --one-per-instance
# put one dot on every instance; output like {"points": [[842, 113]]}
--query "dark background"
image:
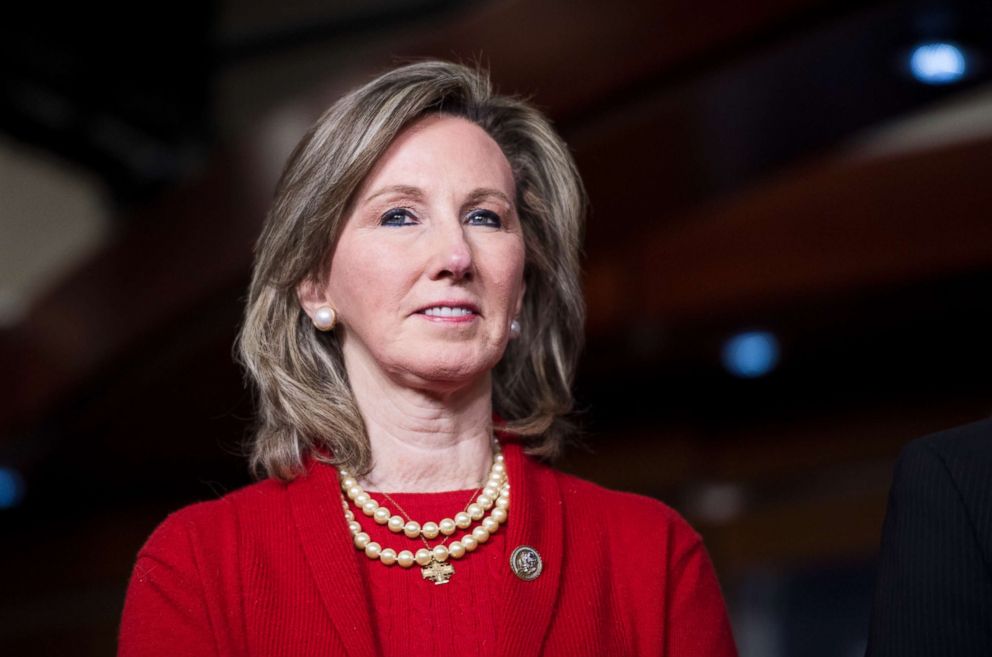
{"points": [[768, 166]]}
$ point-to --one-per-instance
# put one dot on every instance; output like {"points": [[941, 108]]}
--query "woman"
{"points": [[416, 278]]}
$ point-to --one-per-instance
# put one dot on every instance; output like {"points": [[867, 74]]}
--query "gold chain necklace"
{"points": [[495, 498], [426, 531]]}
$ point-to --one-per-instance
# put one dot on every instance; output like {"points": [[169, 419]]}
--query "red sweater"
{"points": [[270, 570], [410, 611]]}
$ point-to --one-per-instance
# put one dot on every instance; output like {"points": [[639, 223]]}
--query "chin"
{"points": [[446, 372]]}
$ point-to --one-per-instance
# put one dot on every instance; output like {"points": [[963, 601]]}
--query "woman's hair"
{"points": [[305, 403]]}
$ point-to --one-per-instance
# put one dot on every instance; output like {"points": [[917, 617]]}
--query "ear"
{"points": [[311, 295]]}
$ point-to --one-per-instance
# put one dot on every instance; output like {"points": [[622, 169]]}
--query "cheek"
{"points": [[507, 275], [345, 279], [363, 276]]}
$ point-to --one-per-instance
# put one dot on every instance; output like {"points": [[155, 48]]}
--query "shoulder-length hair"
{"points": [[305, 403]]}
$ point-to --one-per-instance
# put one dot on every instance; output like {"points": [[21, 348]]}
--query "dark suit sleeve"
{"points": [[934, 591]]}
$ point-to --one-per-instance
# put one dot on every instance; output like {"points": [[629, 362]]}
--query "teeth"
{"points": [[445, 311]]}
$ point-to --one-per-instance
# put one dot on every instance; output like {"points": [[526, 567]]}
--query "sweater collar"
{"points": [[315, 503], [535, 520]]}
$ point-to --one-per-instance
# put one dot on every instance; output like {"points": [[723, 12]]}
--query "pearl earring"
{"points": [[324, 318], [515, 328]]}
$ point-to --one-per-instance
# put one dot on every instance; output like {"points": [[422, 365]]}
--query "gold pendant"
{"points": [[438, 571]]}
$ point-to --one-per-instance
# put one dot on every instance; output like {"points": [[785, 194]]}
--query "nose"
{"points": [[452, 257]]}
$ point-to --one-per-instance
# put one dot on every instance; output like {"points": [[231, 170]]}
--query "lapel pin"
{"points": [[526, 563]]}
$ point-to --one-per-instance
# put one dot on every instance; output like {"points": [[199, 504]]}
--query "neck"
{"points": [[423, 440]]}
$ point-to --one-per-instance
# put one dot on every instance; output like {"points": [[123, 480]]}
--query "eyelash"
{"points": [[402, 213], [490, 218]]}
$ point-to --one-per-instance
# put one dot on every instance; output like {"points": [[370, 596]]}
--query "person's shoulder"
{"points": [[251, 498], [214, 520], [593, 502], [956, 462], [971, 442], [951, 452]]}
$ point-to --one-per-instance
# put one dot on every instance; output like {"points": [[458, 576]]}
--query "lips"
{"points": [[446, 311], [449, 310]]}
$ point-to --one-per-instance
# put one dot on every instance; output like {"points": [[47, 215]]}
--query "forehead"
{"points": [[442, 150]]}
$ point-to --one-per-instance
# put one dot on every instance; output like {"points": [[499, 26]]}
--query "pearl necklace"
{"points": [[495, 496], [430, 529]]}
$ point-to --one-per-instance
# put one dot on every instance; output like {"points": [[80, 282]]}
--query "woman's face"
{"points": [[428, 270]]}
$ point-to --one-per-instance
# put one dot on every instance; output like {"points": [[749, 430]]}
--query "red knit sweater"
{"points": [[410, 611], [270, 570]]}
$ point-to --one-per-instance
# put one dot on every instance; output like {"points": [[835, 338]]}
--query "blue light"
{"points": [[938, 62], [11, 488], [750, 354]]}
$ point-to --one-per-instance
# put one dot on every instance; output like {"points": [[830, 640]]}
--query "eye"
{"points": [[484, 218], [397, 217]]}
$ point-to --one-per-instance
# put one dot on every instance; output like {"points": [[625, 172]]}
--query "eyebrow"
{"points": [[417, 193], [483, 192], [402, 190]]}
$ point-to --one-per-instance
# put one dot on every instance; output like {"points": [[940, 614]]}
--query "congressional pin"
{"points": [[526, 563]]}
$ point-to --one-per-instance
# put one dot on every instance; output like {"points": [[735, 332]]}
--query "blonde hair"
{"points": [[305, 403]]}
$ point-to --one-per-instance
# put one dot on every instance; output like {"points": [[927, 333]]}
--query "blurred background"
{"points": [[789, 249]]}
